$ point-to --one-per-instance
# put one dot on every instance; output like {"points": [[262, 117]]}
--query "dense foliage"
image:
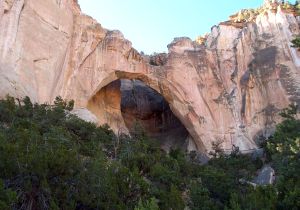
{"points": [[50, 159], [283, 149], [296, 42]]}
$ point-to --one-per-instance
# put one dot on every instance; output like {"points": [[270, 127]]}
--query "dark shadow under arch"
{"points": [[145, 106], [125, 102]]}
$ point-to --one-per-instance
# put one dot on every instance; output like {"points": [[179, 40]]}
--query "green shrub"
{"points": [[7, 197], [50, 159], [296, 42], [148, 205]]}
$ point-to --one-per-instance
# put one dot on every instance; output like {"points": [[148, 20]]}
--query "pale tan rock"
{"points": [[106, 106], [85, 115], [231, 87]]}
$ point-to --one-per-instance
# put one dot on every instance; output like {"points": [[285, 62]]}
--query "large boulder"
{"points": [[266, 176]]}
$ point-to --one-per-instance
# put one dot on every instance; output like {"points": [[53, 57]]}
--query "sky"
{"points": [[152, 24]]}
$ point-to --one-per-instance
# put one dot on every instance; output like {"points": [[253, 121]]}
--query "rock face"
{"points": [[86, 115], [230, 87], [266, 176], [141, 105]]}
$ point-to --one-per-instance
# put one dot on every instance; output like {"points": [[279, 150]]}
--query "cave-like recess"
{"points": [[145, 106], [123, 104]]}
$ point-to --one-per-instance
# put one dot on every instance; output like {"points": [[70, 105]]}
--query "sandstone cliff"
{"points": [[228, 87]]}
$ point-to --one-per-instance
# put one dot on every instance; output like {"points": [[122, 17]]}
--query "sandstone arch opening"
{"points": [[123, 103]]}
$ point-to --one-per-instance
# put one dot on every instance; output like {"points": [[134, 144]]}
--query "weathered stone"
{"points": [[158, 59], [218, 89], [266, 176], [85, 115], [143, 106]]}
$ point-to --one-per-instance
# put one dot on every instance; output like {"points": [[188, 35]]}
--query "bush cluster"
{"points": [[50, 159]]}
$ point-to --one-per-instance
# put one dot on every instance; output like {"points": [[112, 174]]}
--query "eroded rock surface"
{"points": [[143, 106], [230, 86], [266, 176], [85, 115]]}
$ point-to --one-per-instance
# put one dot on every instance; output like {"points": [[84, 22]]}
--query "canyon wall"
{"points": [[229, 87]]}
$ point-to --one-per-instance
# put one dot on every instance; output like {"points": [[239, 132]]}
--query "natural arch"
{"points": [[125, 102], [186, 79]]}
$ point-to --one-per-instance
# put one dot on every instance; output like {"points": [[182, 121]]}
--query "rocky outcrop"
{"points": [[266, 176], [158, 59], [228, 87]]}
